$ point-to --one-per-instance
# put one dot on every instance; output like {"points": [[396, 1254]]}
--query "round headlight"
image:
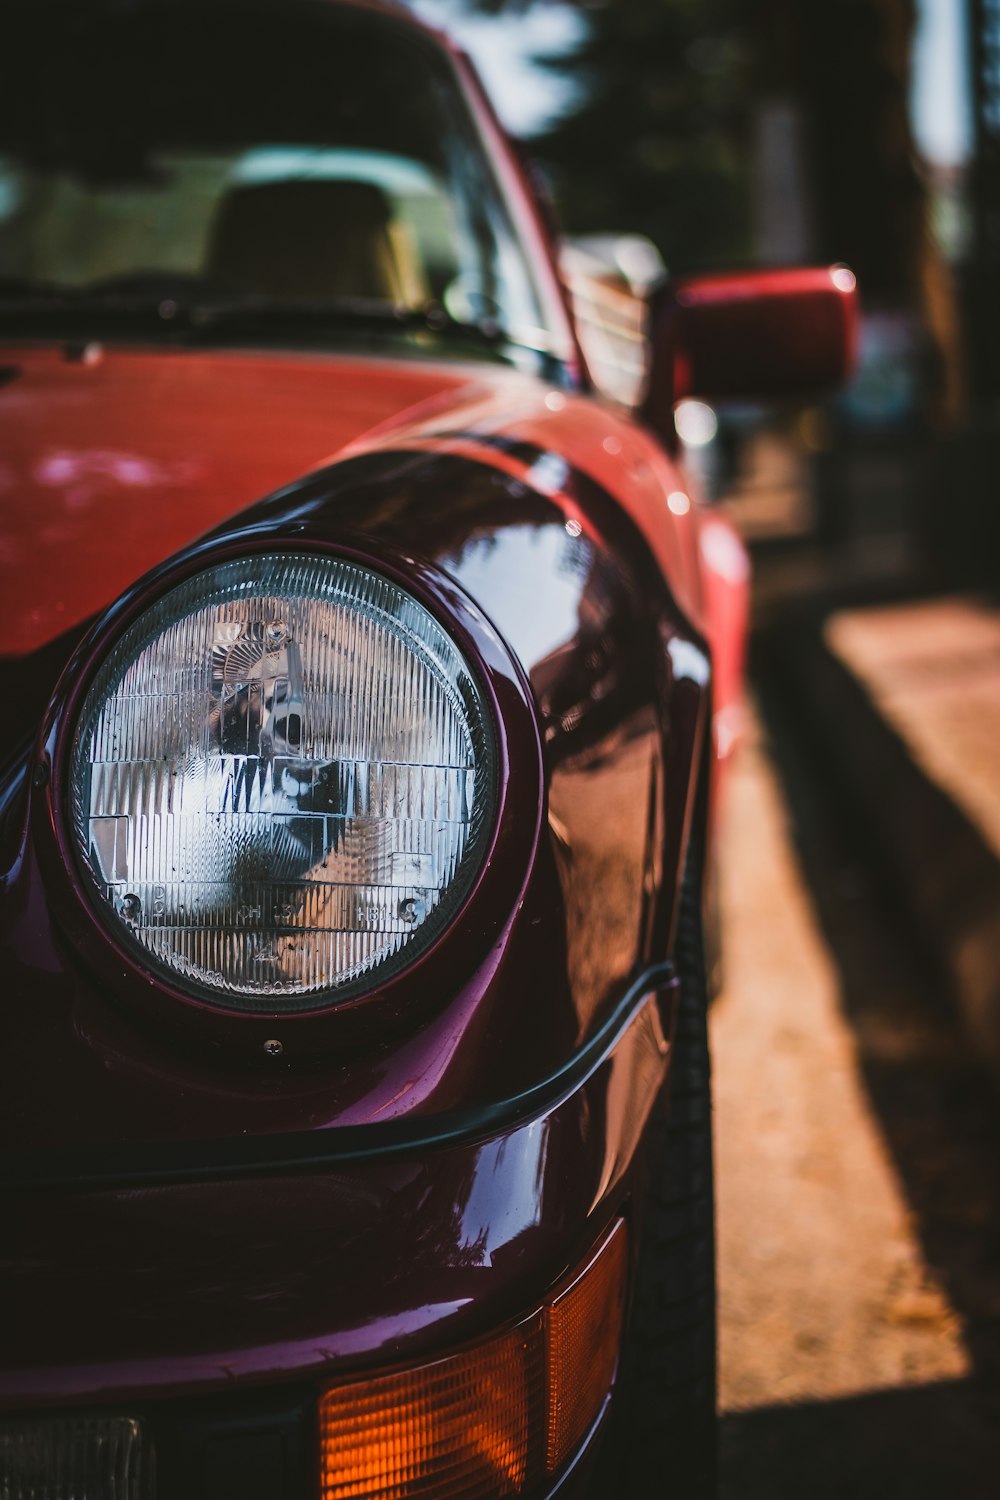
{"points": [[282, 782]]}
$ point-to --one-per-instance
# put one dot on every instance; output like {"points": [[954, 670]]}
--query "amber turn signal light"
{"points": [[490, 1420]]}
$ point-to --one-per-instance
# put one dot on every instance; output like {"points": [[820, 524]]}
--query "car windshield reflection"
{"points": [[369, 200]]}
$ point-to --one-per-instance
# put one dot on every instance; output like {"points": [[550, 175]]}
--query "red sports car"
{"points": [[368, 680]]}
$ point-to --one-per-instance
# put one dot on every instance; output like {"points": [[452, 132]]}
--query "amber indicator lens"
{"points": [[70, 1458], [584, 1335], [491, 1420], [471, 1425], [282, 782]]}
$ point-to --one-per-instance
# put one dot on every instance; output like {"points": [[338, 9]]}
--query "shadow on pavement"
{"points": [[939, 1113], [934, 854], [928, 1443]]}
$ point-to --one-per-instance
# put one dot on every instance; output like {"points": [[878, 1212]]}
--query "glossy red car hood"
{"points": [[108, 464]]}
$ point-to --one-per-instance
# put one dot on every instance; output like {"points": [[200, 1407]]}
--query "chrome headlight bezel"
{"points": [[243, 824], [450, 959]]}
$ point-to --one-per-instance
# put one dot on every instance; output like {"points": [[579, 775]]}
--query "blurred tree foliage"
{"points": [[847, 63], [657, 143], [663, 136]]}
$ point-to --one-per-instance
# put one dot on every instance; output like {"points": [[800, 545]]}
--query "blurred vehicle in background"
{"points": [[370, 681]]}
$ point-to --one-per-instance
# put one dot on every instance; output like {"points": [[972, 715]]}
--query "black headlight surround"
{"points": [[453, 956]]}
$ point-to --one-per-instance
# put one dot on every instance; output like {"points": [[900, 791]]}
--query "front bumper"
{"points": [[246, 1448], [219, 1307]]}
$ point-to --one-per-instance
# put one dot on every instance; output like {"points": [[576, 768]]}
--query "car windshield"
{"points": [[257, 165]]}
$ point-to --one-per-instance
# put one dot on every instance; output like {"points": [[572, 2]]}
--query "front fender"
{"points": [[619, 685]]}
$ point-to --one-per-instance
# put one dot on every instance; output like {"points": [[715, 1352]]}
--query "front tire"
{"points": [[662, 1438]]}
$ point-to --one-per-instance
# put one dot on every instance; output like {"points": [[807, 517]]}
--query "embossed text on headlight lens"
{"points": [[283, 781]]}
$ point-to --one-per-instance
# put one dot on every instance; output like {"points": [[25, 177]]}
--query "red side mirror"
{"points": [[751, 336]]}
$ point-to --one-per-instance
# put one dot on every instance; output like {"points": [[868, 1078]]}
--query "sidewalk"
{"points": [[904, 702]]}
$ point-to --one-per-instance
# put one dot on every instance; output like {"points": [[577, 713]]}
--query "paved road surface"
{"points": [[858, 1158]]}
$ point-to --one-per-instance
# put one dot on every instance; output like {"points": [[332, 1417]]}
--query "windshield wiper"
{"points": [[147, 289], [143, 294], [32, 307], [250, 313], [188, 309]]}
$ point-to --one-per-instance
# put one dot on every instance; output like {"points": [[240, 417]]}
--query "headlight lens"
{"points": [[283, 781]]}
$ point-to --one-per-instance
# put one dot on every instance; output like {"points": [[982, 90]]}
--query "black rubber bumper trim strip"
{"points": [[129, 1164]]}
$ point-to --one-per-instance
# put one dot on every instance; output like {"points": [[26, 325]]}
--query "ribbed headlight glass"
{"points": [[283, 781]]}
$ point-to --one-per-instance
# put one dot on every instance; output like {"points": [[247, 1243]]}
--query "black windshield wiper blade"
{"points": [[169, 307], [164, 296], [132, 290], [17, 293], [272, 317], [244, 313], [344, 312], [34, 300], [98, 311], [21, 286]]}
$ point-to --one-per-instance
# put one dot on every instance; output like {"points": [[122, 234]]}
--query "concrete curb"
{"points": [[947, 874]]}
